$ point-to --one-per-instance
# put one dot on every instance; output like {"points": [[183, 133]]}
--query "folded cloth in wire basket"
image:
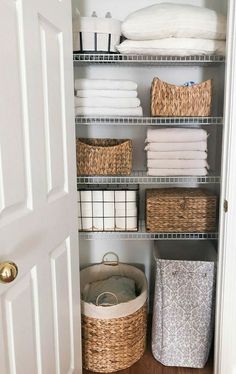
{"points": [[187, 146], [106, 93], [175, 135], [87, 111], [177, 164], [122, 287], [104, 84], [177, 172], [177, 155], [107, 102]]}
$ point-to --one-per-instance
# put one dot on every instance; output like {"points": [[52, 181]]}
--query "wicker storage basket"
{"points": [[113, 337], [171, 100], [104, 156], [180, 210]]}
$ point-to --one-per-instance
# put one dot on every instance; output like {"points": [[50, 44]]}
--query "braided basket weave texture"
{"points": [[181, 101], [113, 344], [180, 210], [104, 156]]}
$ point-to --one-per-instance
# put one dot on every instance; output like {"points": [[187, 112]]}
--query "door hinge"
{"points": [[226, 206]]}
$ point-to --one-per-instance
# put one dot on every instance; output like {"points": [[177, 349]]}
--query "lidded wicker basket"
{"points": [[190, 101], [104, 156], [113, 336], [180, 210]]}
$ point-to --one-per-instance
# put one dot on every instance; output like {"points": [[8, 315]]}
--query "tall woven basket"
{"points": [[113, 337], [104, 156], [190, 101]]}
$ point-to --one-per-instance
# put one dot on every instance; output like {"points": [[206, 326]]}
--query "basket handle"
{"points": [[109, 293], [109, 262]]}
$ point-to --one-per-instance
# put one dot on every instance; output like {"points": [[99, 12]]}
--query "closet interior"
{"points": [[137, 246]]}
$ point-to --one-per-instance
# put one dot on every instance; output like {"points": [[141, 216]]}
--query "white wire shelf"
{"points": [[149, 121], [142, 234], [122, 59], [141, 177]]}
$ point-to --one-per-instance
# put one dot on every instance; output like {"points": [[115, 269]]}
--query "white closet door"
{"points": [[39, 310], [225, 347]]}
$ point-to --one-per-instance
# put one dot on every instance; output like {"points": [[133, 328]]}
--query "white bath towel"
{"points": [[107, 102], [177, 172], [176, 135], [105, 84], [177, 155], [106, 93], [86, 111], [177, 164], [166, 147]]}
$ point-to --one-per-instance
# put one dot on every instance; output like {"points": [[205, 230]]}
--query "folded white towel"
{"points": [[177, 164], [104, 84], [107, 102], [173, 47], [106, 93], [166, 147], [177, 155], [176, 135], [86, 111], [177, 172]]}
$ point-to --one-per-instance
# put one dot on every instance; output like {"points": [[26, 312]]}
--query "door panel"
{"points": [[54, 108], [21, 300], [40, 310], [63, 311], [15, 178]]}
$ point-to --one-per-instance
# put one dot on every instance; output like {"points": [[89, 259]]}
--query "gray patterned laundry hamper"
{"points": [[184, 301]]}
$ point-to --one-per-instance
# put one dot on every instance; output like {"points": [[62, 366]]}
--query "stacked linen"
{"points": [[95, 97], [174, 30], [177, 152]]}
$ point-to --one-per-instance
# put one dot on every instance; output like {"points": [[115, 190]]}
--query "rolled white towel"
{"points": [[177, 164], [175, 135], [187, 146], [106, 102], [105, 84], [109, 224], [177, 172], [86, 111], [106, 93], [177, 155]]}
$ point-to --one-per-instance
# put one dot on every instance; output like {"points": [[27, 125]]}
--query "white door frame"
{"points": [[225, 341]]}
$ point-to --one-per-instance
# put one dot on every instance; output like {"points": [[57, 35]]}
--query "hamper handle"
{"points": [[110, 263], [109, 293]]}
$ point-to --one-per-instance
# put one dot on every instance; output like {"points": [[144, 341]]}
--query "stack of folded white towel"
{"points": [[174, 30], [103, 97], [177, 152]]}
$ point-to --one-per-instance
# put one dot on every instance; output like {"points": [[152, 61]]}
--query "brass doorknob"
{"points": [[8, 272]]}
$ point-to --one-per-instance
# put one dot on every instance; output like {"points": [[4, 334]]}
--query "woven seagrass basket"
{"points": [[180, 210], [188, 101], [104, 156], [113, 336]]}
